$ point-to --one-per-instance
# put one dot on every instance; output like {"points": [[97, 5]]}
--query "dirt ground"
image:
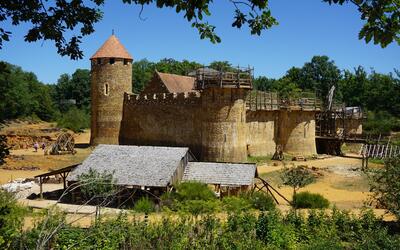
{"points": [[337, 181], [26, 163]]}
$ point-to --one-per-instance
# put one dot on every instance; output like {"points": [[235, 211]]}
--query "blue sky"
{"points": [[307, 28]]}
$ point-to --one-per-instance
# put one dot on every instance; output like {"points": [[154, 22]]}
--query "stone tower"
{"points": [[224, 115], [111, 77]]}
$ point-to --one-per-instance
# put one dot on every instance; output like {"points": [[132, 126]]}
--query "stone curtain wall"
{"points": [[168, 119], [215, 125], [106, 108]]}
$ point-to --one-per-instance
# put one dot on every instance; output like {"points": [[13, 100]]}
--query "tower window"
{"points": [[106, 89], [98, 61], [126, 61], [112, 60]]}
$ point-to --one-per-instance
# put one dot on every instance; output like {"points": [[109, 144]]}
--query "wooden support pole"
{"points": [[41, 187]]}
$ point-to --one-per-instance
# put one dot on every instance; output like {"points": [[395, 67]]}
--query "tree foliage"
{"points": [[96, 185], [385, 184], [53, 20], [74, 119], [11, 219], [297, 177], [73, 90], [21, 94]]}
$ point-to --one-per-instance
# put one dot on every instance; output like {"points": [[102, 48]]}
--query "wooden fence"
{"points": [[380, 151]]}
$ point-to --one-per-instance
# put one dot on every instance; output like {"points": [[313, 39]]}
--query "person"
{"points": [[43, 146], [36, 146]]}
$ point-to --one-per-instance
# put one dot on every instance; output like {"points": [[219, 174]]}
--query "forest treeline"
{"points": [[68, 101]]}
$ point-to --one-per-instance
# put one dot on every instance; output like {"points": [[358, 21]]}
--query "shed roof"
{"points": [[134, 165], [112, 48], [229, 174], [177, 83]]}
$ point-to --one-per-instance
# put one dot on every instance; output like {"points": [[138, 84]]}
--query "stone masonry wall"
{"points": [[168, 119], [297, 132], [224, 125], [261, 132]]}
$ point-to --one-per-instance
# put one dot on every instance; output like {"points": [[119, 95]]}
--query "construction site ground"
{"points": [[339, 179]]}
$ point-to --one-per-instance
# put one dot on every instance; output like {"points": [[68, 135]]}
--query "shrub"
{"points": [[197, 207], [11, 218], [144, 205], [194, 191], [75, 119], [385, 184], [236, 204], [309, 200], [271, 230], [95, 184], [260, 200]]}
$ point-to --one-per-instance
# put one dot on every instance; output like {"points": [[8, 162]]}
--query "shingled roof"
{"points": [[112, 48], [134, 165], [228, 174], [177, 83]]}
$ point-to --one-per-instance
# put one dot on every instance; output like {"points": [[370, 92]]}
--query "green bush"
{"points": [[144, 205], [260, 200], [194, 191], [75, 119], [236, 204], [385, 184], [11, 218], [309, 200], [197, 207]]}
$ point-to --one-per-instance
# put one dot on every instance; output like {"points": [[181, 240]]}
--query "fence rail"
{"points": [[380, 151]]}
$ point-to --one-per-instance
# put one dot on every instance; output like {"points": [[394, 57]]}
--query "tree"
{"points": [[74, 119], [222, 66], [385, 185], [297, 177], [21, 94], [320, 74], [4, 149], [53, 20], [74, 90]]}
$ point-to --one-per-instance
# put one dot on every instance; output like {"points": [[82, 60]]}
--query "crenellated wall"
{"points": [[170, 119], [215, 125]]}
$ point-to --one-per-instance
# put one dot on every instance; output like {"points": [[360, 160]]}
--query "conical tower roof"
{"points": [[112, 48]]}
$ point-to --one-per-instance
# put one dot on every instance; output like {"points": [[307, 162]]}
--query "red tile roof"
{"points": [[177, 83], [112, 48]]}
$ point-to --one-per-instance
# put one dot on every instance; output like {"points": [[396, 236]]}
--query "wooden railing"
{"points": [[380, 151], [240, 78], [259, 100]]}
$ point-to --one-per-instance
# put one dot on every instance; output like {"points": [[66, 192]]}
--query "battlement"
{"points": [[163, 98]]}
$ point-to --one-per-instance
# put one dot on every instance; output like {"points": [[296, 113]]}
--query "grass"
{"points": [[259, 160], [376, 161]]}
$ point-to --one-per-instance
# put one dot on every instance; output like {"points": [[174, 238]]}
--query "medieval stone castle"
{"points": [[215, 114]]}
